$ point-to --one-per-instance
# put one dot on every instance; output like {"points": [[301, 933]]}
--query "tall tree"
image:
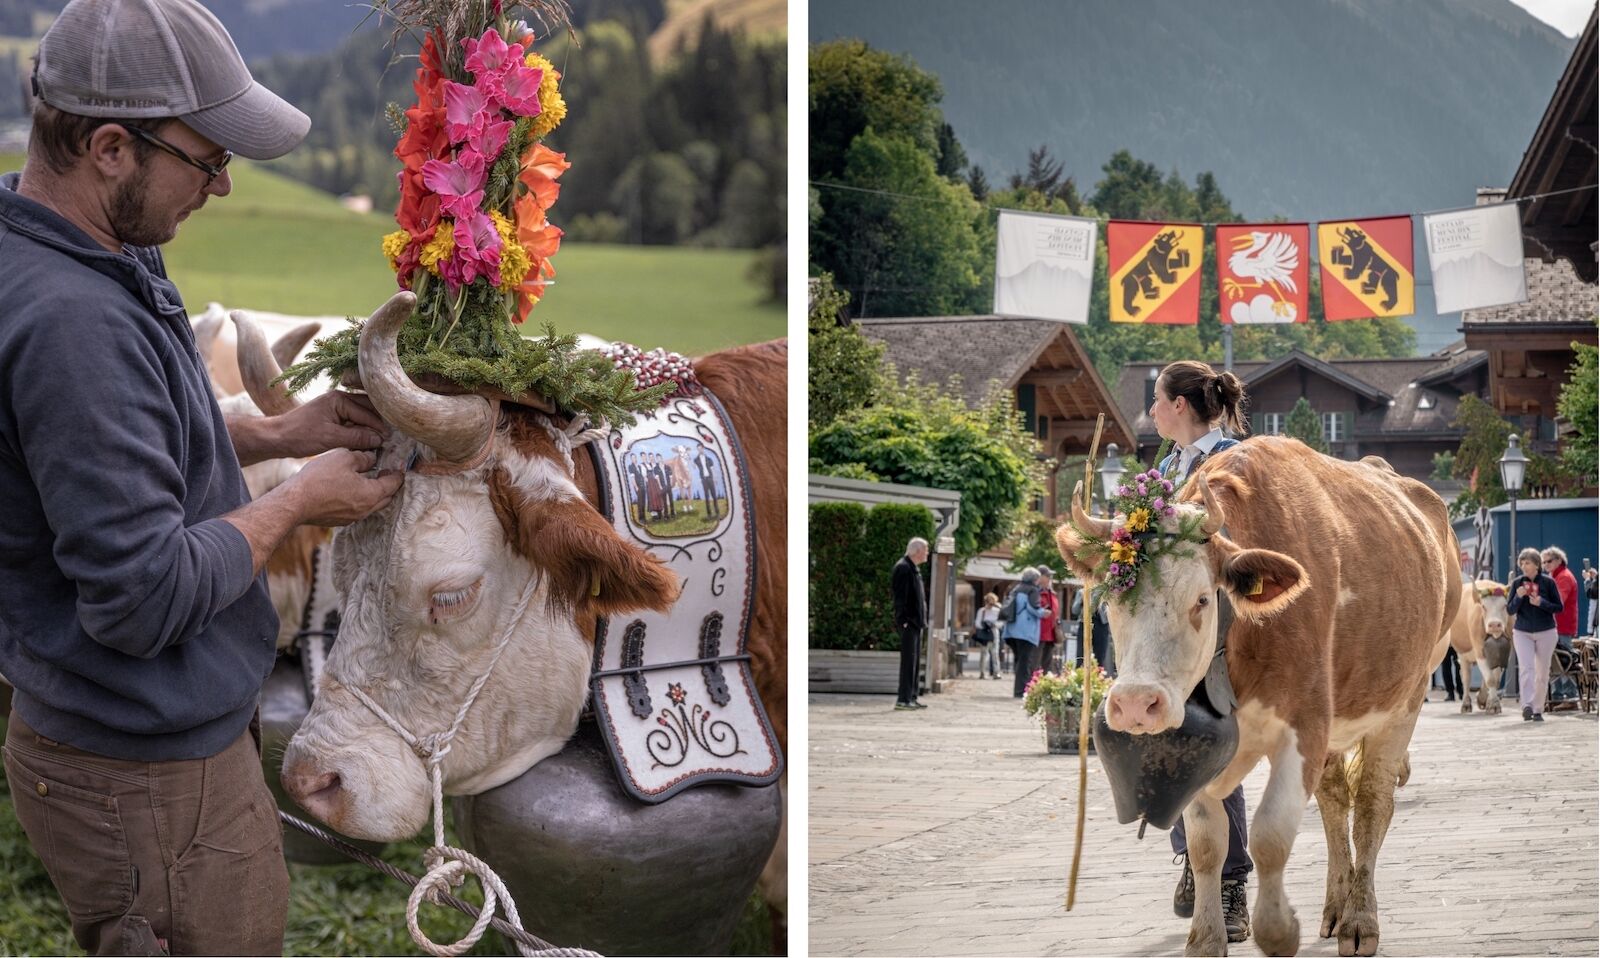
{"points": [[1305, 425], [853, 87]]}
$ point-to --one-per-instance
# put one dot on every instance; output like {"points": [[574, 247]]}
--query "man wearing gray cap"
{"points": [[134, 619]]}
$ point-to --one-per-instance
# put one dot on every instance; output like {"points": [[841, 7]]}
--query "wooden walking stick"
{"points": [[1087, 704]]}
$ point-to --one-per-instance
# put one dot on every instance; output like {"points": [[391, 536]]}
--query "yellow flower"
{"points": [[514, 259], [552, 108], [395, 244], [1139, 520], [1123, 552], [440, 247]]}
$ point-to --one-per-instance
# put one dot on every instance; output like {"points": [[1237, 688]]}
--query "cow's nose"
{"points": [[1136, 710], [320, 793]]}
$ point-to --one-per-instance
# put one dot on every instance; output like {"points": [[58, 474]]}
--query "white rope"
{"points": [[577, 433], [448, 866]]}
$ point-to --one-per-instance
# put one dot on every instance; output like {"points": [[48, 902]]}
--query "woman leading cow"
{"points": [[1193, 403]]}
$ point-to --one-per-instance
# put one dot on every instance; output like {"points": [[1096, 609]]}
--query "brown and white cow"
{"points": [[1316, 550], [1479, 634], [429, 583]]}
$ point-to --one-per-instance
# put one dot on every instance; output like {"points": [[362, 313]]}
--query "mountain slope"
{"points": [[1315, 109]]}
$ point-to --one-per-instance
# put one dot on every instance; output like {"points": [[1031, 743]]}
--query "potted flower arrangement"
{"points": [[1055, 699]]}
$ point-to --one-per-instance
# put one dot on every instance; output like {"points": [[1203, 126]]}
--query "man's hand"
{"points": [[330, 490], [334, 489], [333, 420]]}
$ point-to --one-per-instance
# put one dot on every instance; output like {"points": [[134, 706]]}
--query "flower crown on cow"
{"points": [[1126, 561], [475, 242]]}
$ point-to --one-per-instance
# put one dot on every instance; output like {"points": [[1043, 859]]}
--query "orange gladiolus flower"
{"points": [[541, 167]]}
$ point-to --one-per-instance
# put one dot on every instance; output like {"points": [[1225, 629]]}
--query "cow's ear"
{"points": [[1260, 582], [590, 567], [1070, 544], [595, 570]]}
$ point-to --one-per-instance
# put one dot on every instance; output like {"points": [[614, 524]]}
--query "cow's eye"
{"points": [[1203, 601], [453, 604]]}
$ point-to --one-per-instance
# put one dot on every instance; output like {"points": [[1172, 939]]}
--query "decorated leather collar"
{"points": [[673, 694]]}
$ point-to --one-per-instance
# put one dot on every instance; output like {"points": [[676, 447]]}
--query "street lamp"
{"points": [[1513, 465], [1110, 474]]}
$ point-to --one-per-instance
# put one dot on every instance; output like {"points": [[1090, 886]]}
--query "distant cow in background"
{"points": [[290, 336], [1480, 635]]}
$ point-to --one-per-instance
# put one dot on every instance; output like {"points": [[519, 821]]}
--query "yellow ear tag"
{"points": [[1257, 586], [594, 590]]}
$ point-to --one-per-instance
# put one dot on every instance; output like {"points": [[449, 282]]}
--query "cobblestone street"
{"points": [[949, 831]]}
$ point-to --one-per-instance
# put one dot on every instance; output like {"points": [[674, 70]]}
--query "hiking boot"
{"points": [[1527, 713], [1235, 911], [1183, 895]]}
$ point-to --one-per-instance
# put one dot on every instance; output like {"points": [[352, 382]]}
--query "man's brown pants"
{"points": [[182, 857]]}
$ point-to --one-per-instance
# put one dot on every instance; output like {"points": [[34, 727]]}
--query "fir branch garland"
{"points": [[575, 380]]}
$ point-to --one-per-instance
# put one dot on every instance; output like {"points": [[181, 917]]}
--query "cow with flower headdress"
{"points": [[1249, 597], [513, 629]]}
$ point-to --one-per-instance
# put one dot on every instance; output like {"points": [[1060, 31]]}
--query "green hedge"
{"points": [[853, 552]]}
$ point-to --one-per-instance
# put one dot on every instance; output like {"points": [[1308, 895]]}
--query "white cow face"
{"points": [[1495, 618], [429, 586], [1165, 642]]}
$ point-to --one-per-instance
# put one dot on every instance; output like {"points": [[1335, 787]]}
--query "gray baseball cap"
{"points": [[138, 59]]}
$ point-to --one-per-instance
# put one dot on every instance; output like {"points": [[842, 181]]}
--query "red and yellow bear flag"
{"points": [[1367, 268], [1264, 273], [1155, 272]]}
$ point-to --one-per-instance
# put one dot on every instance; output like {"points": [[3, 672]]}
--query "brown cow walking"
{"points": [[1309, 561]]}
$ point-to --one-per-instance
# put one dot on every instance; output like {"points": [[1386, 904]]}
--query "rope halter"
{"points": [[448, 866]]}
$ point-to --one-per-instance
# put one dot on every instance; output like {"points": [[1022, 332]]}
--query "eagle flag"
{"points": [[1044, 266], [1155, 272], [1366, 268], [1264, 273], [1476, 257]]}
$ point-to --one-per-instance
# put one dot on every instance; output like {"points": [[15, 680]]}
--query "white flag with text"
{"points": [[1044, 266], [1476, 257]]}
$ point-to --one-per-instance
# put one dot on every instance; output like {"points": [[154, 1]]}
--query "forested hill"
{"points": [[1313, 109]]}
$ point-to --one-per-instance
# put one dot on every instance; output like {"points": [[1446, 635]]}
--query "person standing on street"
{"points": [[1533, 605], [987, 634], [1554, 560], [1021, 630], [138, 632], [1192, 404], [1050, 604], [910, 618]]}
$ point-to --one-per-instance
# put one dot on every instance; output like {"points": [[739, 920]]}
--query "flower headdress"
{"points": [[475, 242], [1146, 527]]}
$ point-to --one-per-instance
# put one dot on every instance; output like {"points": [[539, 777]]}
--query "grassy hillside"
{"points": [[757, 18], [277, 245]]}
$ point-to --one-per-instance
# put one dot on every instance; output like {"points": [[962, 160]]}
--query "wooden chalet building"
{"points": [[1039, 361], [1400, 409], [1529, 344], [1056, 388]]}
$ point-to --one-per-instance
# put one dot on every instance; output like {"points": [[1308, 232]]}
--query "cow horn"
{"points": [[258, 368], [455, 427], [205, 333], [287, 347], [1214, 516], [1099, 528]]}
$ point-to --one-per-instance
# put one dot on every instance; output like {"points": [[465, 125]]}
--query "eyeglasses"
{"points": [[211, 171]]}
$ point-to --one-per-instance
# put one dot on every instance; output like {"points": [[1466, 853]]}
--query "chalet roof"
{"points": [[1561, 156], [1407, 382], [1556, 296], [986, 349]]}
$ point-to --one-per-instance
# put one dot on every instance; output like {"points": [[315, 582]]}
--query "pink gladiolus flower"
{"points": [[466, 110], [489, 141], [488, 57], [518, 89], [477, 250], [459, 183]]}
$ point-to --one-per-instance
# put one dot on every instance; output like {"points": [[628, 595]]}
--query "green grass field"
{"points": [[276, 245]]}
